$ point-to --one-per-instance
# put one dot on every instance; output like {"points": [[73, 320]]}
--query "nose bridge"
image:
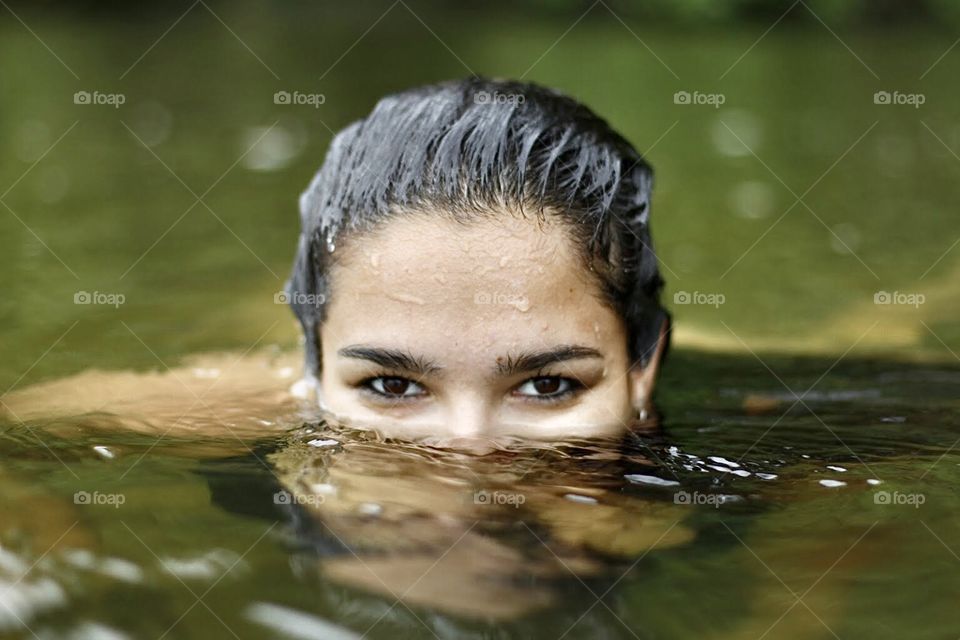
{"points": [[469, 414]]}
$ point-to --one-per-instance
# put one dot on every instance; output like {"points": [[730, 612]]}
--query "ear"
{"points": [[643, 379]]}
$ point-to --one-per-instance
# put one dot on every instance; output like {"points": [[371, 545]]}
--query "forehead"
{"points": [[423, 280]]}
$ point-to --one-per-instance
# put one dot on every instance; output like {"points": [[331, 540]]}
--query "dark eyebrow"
{"points": [[391, 359], [536, 360]]}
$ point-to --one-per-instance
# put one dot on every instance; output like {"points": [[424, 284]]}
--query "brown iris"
{"points": [[395, 386], [546, 386]]}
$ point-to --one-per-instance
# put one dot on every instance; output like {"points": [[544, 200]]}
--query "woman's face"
{"points": [[473, 331]]}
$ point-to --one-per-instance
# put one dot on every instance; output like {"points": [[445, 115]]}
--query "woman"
{"points": [[475, 261]]}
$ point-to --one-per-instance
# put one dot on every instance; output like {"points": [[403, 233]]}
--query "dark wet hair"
{"points": [[475, 147]]}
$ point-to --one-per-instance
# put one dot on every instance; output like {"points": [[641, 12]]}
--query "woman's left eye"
{"points": [[546, 387]]}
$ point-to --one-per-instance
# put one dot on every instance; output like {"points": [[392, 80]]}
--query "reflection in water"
{"points": [[479, 536]]}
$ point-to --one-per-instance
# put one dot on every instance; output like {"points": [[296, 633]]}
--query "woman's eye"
{"points": [[392, 387], [546, 387]]}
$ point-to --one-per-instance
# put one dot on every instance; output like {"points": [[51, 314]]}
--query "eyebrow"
{"points": [[536, 360], [507, 366], [391, 359]]}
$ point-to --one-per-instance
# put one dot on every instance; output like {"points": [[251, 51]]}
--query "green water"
{"points": [[96, 210], [776, 531]]}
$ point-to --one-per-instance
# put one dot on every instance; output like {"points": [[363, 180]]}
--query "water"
{"points": [[674, 529], [231, 523]]}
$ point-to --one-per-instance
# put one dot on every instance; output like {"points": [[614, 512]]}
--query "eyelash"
{"points": [[575, 387], [366, 385]]}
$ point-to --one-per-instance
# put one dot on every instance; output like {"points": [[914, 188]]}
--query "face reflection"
{"points": [[472, 331]]}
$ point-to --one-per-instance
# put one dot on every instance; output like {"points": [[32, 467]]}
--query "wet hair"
{"points": [[479, 147]]}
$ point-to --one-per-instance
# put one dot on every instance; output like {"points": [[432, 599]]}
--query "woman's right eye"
{"points": [[394, 387]]}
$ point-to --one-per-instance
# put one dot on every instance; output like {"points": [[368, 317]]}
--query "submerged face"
{"points": [[452, 330]]}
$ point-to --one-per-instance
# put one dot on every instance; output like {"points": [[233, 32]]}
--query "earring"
{"points": [[641, 391]]}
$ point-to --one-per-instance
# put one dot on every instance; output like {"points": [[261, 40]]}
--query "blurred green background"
{"points": [[798, 200]]}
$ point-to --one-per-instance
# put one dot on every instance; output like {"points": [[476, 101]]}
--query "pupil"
{"points": [[547, 386], [395, 386]]}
